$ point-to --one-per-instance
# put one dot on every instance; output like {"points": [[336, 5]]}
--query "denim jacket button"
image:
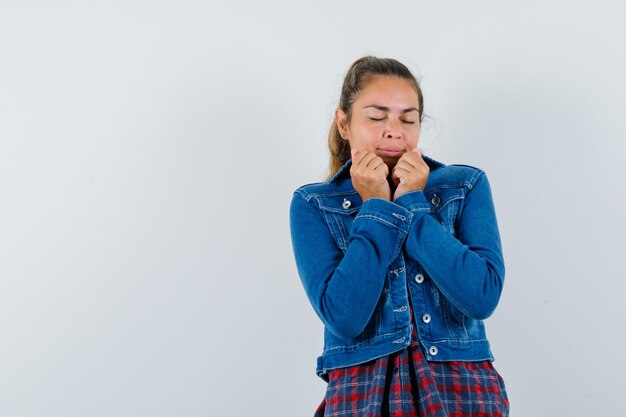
{"points": [[433, 350], [346, 204], [419, 278], [435, 200], [426, 318]]}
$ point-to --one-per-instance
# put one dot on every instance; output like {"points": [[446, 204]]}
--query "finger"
{"points": [[395, 174], [399, 171], [379, 165], [367, 159], [376, 161], [417, 151], [363, 158], [357, 155], [405, 165], [395, 178], [412, 158], [399, 179]]}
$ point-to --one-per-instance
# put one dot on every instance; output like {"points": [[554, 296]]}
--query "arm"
{"points": [[468, 269], [344, 288]]}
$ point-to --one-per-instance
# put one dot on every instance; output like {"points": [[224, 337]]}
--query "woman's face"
{"points": [[385, 119]]}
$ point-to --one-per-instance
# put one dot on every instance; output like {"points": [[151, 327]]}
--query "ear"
{"points": [[340, 120]]}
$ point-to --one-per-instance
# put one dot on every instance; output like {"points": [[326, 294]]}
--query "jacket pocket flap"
{"points": [[341, 203], [439, 198]]}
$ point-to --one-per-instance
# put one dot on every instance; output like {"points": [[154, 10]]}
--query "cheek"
{"points": [[367, 137]]}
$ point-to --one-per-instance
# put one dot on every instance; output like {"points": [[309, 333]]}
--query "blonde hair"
{"points": [[355, 80]]}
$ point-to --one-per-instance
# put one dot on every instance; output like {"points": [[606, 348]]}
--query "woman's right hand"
{"points": [[369, 175]]}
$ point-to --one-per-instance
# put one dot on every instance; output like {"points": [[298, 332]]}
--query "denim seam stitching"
{"points": [[351, 346], [379, 219]]}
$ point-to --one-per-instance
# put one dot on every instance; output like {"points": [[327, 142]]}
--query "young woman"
{"points": [[400, 257]]}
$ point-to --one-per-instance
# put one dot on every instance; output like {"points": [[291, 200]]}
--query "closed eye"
{"points": [[371, 118]]}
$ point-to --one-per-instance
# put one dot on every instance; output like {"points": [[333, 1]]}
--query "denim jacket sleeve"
{"points": [[344, 287], [468, 269]]}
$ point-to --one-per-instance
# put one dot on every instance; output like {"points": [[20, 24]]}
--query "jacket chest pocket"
{"points": [[339, 212], [445, 204]]}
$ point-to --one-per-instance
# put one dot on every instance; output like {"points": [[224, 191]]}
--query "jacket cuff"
{"points": [[415, 201], [386, 212]]}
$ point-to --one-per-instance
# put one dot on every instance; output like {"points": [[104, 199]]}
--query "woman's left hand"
{"points": [[410, 173]]}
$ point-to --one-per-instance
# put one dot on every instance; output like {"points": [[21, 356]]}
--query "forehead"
{"points": [[388, 91]]}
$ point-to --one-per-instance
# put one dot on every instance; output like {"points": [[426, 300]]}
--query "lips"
{"points": [[392, 152]]}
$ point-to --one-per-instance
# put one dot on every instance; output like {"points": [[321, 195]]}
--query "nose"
{"points": [[393, 130]]}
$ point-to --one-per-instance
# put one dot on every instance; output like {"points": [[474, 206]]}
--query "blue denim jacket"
{"points": [[359, 263]]}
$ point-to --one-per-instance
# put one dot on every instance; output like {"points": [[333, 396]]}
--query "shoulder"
{"points": [[464, 173], [328, 188], [454, 174], [309, 188]]}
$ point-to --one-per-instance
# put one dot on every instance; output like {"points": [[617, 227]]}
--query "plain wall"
{"points": [[149, 151]]}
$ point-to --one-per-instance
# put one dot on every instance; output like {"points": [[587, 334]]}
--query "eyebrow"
{"points": [[383, 108]]}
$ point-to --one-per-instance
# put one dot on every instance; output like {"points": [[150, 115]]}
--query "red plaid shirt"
{"points": [[405, 384]]}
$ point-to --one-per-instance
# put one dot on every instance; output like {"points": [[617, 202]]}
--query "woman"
{"points": [[400, 257]]}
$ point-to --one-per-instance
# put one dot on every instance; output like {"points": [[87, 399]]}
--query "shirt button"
{"points": [[433, 350], [426, 318], [435, 200], [419, 278], [346, 204]]}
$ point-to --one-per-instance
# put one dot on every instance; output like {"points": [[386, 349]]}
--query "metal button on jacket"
{"points": [[433, 350], [346, 204], [435, 200], [419, 278], [426, 318]]}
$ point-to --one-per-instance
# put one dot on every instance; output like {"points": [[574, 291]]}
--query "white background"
{"points": [[149, 150]]}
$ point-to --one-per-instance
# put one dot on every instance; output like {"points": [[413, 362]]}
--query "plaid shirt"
{"points": [[406, 384]]}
